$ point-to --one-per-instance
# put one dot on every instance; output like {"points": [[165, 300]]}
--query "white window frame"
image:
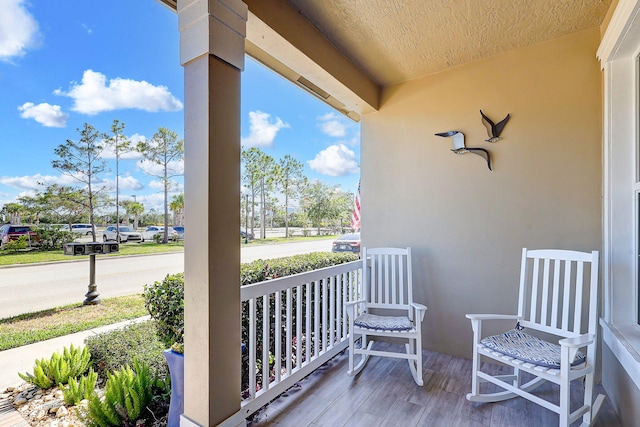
{"points": [[618, 53]]}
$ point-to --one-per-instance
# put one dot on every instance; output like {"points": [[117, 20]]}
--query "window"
{"points": [[618, 54]]}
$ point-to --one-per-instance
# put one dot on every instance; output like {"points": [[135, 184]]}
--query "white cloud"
{"points": [[156, 185], [18, 30], [125, 183], [39, 182], [46, 114], [28, 182], [262, 131], [336, 160], [154, 169], [174, 186], [109, 153], [95, 95], [332, 126]]}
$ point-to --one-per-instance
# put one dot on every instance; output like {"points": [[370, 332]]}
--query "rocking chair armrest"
{"points": [[420, 310], [577, 342], [419, 306], [349, 304]]}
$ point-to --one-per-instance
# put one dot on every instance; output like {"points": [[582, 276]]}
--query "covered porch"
{"points": [[565, 173]]}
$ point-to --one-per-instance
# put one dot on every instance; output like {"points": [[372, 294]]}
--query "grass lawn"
{"points": [[30, 257], [43, 325]]}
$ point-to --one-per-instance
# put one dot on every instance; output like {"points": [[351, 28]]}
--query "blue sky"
{"points": [[64, 63]]}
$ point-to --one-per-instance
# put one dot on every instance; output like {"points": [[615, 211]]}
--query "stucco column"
{"points": [[212, 34]]}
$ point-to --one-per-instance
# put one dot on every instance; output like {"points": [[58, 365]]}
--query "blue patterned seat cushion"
{"points": [[383, 323], [528, 348]]}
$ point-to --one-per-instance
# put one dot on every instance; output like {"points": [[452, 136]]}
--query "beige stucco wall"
{"points": [[467, 225]]}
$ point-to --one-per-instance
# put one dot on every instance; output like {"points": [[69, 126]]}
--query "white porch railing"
{"points": [[302, 323]]}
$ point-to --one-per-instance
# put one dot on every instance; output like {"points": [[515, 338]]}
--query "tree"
{"points": [[289, 178], [177, 207], [258, 178], [320, 202], [120, 144], [65, 204], [165, 150], [81, 161]]}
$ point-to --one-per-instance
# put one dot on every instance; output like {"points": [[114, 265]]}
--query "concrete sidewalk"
{"points": [[22, 359]]}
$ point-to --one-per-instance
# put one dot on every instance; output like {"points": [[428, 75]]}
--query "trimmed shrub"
{"points": [[113, 349], [16, 245], [52, 238], [165, 302], [58, 370]]}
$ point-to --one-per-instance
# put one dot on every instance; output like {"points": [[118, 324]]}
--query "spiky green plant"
{"points": [[127, 394], [73, 361], [77, 390]]}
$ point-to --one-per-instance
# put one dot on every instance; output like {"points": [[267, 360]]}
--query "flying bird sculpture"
{"points": [[495, 129], [459, 147]]}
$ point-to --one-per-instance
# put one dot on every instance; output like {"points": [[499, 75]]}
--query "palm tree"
{"points": [[135, 209], [14, 211], [177, 206]]}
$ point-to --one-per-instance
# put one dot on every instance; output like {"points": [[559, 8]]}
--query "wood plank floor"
{"points": [[384, 394]]}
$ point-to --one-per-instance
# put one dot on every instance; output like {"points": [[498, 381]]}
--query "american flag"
{"points": [[355, 216]]}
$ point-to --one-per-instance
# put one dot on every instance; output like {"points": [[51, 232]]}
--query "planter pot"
{"points": [[176, 370]]}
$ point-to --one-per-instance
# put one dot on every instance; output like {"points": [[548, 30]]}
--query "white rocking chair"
{"points": [[552, 296], [387, 288]]}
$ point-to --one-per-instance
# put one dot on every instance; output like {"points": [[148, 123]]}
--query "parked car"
{"points": [[151, 231], [81, 229], [127, 234], [246, 234], [347, 243], [10, 232], [180, 230]]}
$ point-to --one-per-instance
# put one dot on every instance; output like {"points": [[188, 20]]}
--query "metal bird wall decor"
{"points": [[459, 147], [495, 129]]}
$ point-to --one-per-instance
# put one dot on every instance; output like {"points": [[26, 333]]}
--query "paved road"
{"points": [[39, 287]]}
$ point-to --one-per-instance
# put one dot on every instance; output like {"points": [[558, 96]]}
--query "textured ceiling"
{"points": [[397, 40]]}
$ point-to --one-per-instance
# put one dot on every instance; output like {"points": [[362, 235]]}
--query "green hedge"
{"points": [[260, 270], [113, 349]]}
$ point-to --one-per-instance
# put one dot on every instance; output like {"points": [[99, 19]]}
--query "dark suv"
{"points": [[10, 232]]}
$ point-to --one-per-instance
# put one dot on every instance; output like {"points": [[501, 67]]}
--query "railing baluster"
{"points": [[298, 326], [278, 332], [288, 333], [265, 342], [332, 311], [325, 315], [307, 332], [252, 348], [345, 299], [317, 338], [339, 308]]}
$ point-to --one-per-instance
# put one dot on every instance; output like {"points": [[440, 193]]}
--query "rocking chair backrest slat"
{"points": [[387, 277], [554, 284]]}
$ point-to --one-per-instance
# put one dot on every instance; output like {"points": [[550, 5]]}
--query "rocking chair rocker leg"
{"points": [[364, 358], [414, 365]]}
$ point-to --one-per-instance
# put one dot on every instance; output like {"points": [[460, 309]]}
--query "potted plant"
{"points": [[165, 303]]}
